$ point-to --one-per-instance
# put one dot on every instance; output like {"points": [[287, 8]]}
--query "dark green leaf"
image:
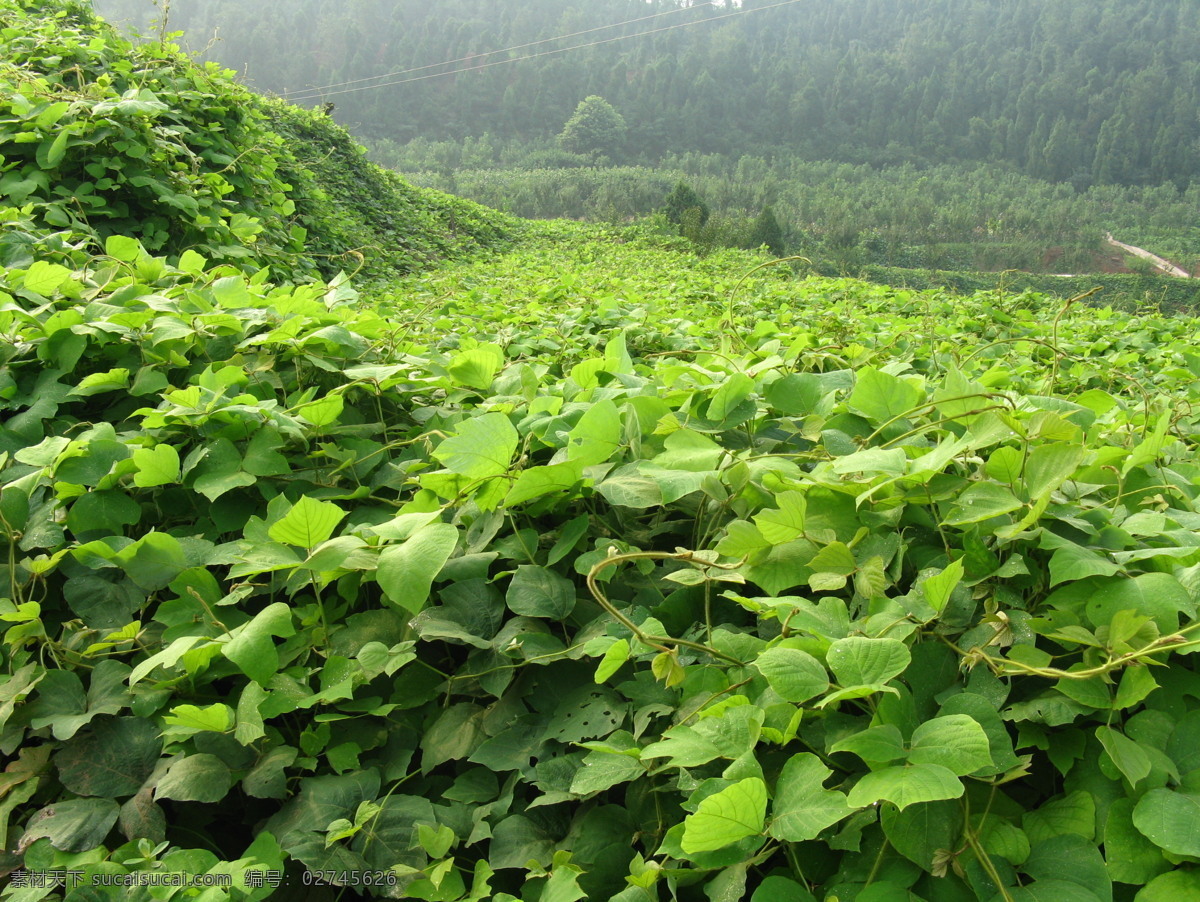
{"points": [[112, 759], [75, 825], [195, 778]]}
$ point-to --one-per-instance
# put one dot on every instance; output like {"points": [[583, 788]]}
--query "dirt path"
{"points": [[1163, 266]]}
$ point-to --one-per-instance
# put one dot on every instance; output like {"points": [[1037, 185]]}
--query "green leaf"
{"points": [[249, 718], [1130, 758], [454, 735], [51, 151], [192, 262], [836, 558], [108, 512], [1072, 562], [123, 248], [406, 572], [786, 523], [538, 481], [1053, 891], [153, 561], [250, 646], [1148, 451], [308, 523], [1177, 886], [1049, 466], [142, 817], [50, 116], [604, 770], [859, 661], [1004, 838], [45, 278], [796, 395], [268, 778], [684, 747], [955, 741], [597, 435], [795, 675], [538, 592], [585, 712], [939, 588], [477, 368], [783, 567], [906, 785], [880, 744], [99, 383], [482, 447], [1170, 820], [1130, 857], [1072, 813], [1072, 859], [803, 807], [187, 719], [734, 813], [921, 832], [516, 840], [1157, 595], [666, 668], [781, 889], [436, 843], [74, 825], [323, 411], [890, 461], [167, 657], [638, 492], [341, 553], [219, 470], [980, 502], [262, 454], [616, 655], [156, 466], [195, 778], [881, 397], [733, 392], [113, 759]]}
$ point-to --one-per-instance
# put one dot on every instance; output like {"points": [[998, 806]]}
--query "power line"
{"points": [[305, 92], [317, 94]]}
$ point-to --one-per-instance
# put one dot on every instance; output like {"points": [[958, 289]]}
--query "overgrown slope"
{"points": [[351, 206], [100, 137]]}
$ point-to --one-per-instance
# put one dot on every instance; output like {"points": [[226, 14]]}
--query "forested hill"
{"points": [[103, 140], [1092, 91]]}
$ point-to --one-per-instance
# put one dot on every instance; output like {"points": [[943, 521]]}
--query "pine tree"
{"points": [[681, 199], [766, 230]]}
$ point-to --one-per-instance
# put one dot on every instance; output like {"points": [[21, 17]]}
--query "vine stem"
{"points": [[1174, 642], [748, 274], [662, 643], [1058, 355]]}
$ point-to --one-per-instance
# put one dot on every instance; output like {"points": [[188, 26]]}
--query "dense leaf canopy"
{"points": [[594, 569]]}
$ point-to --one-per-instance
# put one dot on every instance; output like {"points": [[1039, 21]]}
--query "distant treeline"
{"points": [[1080, 91], [959, 217], [1130, 291]]}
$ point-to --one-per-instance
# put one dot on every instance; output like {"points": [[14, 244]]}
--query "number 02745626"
{"points": [[350, 878]]}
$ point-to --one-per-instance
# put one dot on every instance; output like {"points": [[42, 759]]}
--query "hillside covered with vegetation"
{"points": [[1101, 91], [577, 566], [105, 140], [909, 134]]}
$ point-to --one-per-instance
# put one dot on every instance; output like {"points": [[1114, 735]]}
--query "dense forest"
{"points": [[1080, 91]]}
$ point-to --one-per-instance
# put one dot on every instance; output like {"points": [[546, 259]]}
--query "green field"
{"points": [[551, 562]]}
